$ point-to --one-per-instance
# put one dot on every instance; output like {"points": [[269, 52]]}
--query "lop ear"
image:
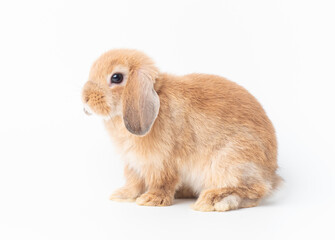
{"points": [[140, 102]]}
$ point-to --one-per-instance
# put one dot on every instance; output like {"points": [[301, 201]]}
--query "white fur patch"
{"points": [[143, 166], [228, 203], [192, 178], [132, 161]]}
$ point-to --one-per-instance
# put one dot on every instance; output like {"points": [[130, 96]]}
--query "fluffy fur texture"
{"points": [[196, 135]]}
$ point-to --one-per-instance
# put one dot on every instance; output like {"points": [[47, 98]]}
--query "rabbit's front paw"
{"points": [[125, 195], [153, 199]]}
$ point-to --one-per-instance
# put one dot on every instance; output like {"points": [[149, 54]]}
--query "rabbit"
{"points": [[196, 136]]}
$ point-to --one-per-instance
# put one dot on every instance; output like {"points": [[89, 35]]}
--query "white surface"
{"points": [[58, 166]]}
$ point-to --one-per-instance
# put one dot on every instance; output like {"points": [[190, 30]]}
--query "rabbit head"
{"points": [[121, 83]]}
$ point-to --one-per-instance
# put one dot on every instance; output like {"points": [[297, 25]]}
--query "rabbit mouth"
{"points": [[87, 110]]}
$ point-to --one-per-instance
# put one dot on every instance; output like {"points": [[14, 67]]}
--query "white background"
{"points": [[58, 166]]}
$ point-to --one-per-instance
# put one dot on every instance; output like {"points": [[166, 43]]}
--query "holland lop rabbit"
{"points": [[196, 135]]}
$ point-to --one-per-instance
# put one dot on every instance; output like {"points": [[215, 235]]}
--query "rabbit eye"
{"points": [[116, 78]]}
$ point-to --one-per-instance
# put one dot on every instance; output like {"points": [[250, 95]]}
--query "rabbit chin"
{"points": [[88, 111]]}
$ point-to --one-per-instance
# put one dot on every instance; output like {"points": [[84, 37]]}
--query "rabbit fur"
{"points": [[195, 135]]}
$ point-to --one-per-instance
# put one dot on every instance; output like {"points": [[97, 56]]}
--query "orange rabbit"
{"points": [[196, 135]]}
